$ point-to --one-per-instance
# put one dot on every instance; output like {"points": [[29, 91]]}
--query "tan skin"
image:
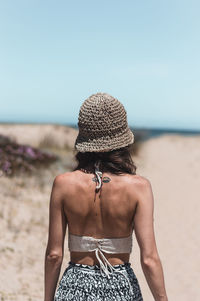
{"points": [[123, 205]]}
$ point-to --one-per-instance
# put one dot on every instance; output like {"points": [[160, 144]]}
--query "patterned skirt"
{"points": [[87, 283]]}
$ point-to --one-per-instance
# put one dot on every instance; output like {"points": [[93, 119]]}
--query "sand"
{"points": [[170, 162]]}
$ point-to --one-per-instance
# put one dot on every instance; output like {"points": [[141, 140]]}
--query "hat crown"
{"points": [[102, 114], [102, 124]]}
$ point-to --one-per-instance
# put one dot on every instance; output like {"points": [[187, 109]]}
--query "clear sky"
{"points": [[54, 54]]}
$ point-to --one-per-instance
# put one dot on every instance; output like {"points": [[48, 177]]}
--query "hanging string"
{"points": [[98, 175], [105, 264]]}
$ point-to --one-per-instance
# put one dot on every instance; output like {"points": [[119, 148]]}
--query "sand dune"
{"points": [[170, 162], [41, 135]]}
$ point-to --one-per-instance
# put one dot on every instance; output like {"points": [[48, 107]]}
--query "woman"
{"points": [[102, 201]]}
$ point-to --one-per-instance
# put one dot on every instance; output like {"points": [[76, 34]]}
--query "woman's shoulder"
{"points": [[138, 185], [142, 180], [65, 183], [143, 188], [139, 180], [67, 179], [63, 177]]}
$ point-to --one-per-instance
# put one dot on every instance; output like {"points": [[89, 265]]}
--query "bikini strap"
{"points": [[98, 174]]}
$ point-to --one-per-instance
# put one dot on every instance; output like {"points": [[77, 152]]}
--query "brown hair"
{"points": [[117, 161]]}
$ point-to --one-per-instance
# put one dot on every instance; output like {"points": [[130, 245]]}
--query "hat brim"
{"points": [[104, 143]]}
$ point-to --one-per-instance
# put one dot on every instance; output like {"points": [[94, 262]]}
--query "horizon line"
{"points": [[133, 128]]}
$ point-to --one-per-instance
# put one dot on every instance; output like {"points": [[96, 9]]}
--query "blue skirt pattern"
{"points": [[82, 282]]}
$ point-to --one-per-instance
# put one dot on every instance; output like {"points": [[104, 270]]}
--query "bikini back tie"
{"points": [[78, 243]]}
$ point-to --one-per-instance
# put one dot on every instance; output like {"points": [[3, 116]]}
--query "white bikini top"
{"points": [[78, 243]]}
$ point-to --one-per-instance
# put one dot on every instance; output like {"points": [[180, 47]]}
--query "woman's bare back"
{"points": [[106, 214]]}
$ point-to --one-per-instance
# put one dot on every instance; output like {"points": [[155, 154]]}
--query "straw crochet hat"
{"points": [[102, 125]]}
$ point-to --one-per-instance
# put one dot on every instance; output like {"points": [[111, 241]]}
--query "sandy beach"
{"points": [[170, 162]]}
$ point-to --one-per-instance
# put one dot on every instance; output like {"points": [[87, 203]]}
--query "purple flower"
{"points": [[30, 152], [6, 165], [20, 150]]}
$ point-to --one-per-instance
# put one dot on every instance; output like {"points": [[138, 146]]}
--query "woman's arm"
{"points": [[55, 246], [144, 230]]}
